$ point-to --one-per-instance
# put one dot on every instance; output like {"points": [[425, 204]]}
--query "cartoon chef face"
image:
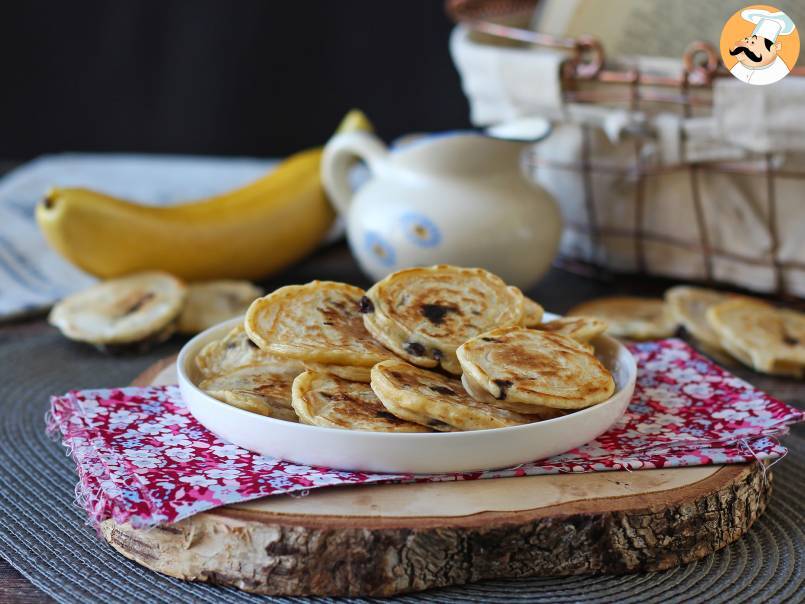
{"points": [[755, 51]]}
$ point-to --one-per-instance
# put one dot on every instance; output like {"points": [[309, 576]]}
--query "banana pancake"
{"points": [[689, 306], [254, 388], [519, 365], [345, 372], [424, 314], [629, 317], [136, 308], [237, 350], [534, 412], [319, 322], [417, 418], [210, 302], [532, 312], [435, 399], [322, 399], [768, 339], [581, 329]]}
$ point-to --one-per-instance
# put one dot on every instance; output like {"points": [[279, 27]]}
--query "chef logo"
{"points": [[759, 45]]}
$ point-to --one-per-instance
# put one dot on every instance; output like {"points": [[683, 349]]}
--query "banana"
{"points": [[247, 233]]}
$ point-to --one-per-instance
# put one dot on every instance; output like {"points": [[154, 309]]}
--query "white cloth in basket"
{"points": [[506, 83], [735, 210]]}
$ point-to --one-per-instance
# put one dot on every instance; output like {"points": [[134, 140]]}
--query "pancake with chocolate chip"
{"points": [[689, 306], [534, 412], [254, 388], [345, 372], [435, 400], [321, 399], [424, 314], [319, 322], [630, 317], [529, 366], [532, 312], [235, 350], [581, 329], [210, 302], [768, 339], [136, 309], [417, 418]]}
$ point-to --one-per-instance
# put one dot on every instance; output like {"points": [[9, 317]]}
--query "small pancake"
{"points": [[768, 339], [237, 350], [520, 365], [345, 372], [532, 313], [535, 412], [689, 306], [319, 322], [139, 307], [581, 329], [321, 399], [254, 388], [424, 314], [632, 318], [417, 418], [210, 302], [438, 400]]}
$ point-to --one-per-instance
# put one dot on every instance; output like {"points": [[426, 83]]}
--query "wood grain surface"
{"points": [[383, 540]]}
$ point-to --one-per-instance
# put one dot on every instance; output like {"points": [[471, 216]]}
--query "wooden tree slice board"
{"points": [[380, 540]]}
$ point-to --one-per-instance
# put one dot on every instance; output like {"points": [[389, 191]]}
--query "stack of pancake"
{"points": [[759, 335], [725, 325], [439, 348]]}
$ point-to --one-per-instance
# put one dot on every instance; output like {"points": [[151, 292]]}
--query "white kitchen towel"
{"points": [[762, 119], [33, 276], [503, 83]]}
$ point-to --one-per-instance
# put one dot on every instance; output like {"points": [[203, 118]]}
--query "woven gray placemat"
{"points": [[44, 535]]}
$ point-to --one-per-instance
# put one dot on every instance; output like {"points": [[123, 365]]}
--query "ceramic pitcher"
{"points": [[459, 198]]}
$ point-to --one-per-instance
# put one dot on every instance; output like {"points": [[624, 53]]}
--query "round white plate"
{"points": [[430, 453]]}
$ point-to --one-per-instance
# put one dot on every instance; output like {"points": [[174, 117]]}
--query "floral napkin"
{"points": [[143, 458]]}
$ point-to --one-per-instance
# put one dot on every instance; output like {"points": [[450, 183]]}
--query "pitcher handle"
{"points": [[339, 154]]}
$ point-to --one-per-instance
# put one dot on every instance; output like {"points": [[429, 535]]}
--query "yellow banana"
{"points": [[247, 233]]}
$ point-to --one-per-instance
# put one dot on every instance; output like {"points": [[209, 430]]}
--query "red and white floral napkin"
{"points": [[143, 458]]}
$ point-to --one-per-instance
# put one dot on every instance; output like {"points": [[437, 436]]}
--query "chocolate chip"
{"points": [[435, 313], [365, 305], [442, 389], [415, 348], [503, 385], [437, 354]]}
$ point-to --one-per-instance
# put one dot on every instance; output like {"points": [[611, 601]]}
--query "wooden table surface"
{"points": [[558, 291]]}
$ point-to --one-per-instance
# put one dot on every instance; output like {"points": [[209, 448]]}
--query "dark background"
{"points": [[239, 77]]}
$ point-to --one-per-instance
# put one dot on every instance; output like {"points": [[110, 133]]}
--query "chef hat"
{"points": [[767, 24]]}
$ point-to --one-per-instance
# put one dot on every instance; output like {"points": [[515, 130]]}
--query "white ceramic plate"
{"points": [[431, 453]]}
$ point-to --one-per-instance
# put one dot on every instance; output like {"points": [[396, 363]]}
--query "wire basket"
{"points": [[587, 77]]}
